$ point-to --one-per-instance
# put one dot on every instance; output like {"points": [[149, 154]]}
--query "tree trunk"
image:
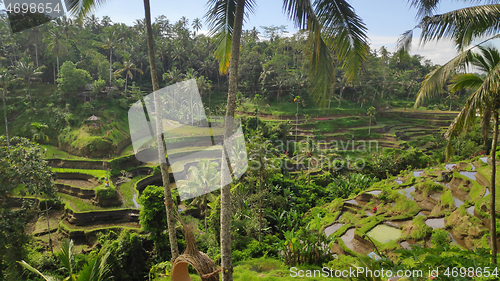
{"points": [[493, 190], [57, 65], [48, 226], [29, 92], [110, 69], [169, 204], [36, 51], [5, 114], [260, 207], [340, 96], [370, 126], [225, 221], [296, 124]]}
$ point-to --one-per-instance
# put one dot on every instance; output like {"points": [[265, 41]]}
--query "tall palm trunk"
{"points": [[48, 226], [29, 91], [225, 220], [493, 190], [36, 50], [370, 126], [5, 113], [169, 204], [57, 63], [110, 59]]}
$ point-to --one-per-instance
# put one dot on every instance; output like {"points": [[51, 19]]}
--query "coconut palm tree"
{"points": [[462, 26], [38, 131], [56, 43], [485, 100], [127, 67], [109, 40], [83, 7], [5, 79], [204, 178], [97, 269], [34, 33], [66, 26], [173, 76], [452, 96], [196, 25], [331, 24], [25, 69]]}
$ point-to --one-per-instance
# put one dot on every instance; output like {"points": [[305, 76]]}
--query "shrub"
{"points": [[440, 238], [106, 193]]}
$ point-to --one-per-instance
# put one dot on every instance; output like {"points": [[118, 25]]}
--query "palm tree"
{"points": [[371, 112], [66, 26], [485, 100], [331, 25], [56, 43], [97, 269], [25, 69], [196, 25], [109, 41], [463, 26], [5, 79], [34, 32], [83, 7], [173, 76], [452, 96], [204, 179], [38, 131], [127, 67]]}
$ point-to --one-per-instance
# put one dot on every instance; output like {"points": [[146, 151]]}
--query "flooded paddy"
{"points": [[332, 228], [375, 192], [417, 173], [435, 223], [384, 233], [470, 175], [407, 192], [470, 210]]}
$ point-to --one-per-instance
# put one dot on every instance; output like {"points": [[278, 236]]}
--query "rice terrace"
{"points": [[164, 148]]}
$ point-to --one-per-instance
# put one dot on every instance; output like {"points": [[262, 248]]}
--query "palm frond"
{"points": [[66, 255], [81, 8], [435, 81], [462, 25], [34, 270], [484, 101], [465, 80], [298, 11], [424, 7], [404, 41], [220, 20], [321, 71], [332, 25], [345, 33]]}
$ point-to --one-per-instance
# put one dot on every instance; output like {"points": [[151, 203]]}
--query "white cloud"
{"points": [[438, 52]]}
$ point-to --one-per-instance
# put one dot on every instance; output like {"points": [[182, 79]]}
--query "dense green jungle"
{"points": [[368, 179]]}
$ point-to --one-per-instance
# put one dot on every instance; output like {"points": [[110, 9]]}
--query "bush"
{"points": [[440, 238], [106, 193]]}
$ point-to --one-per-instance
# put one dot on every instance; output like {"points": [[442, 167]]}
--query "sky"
{"points": [[385, 19]]}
